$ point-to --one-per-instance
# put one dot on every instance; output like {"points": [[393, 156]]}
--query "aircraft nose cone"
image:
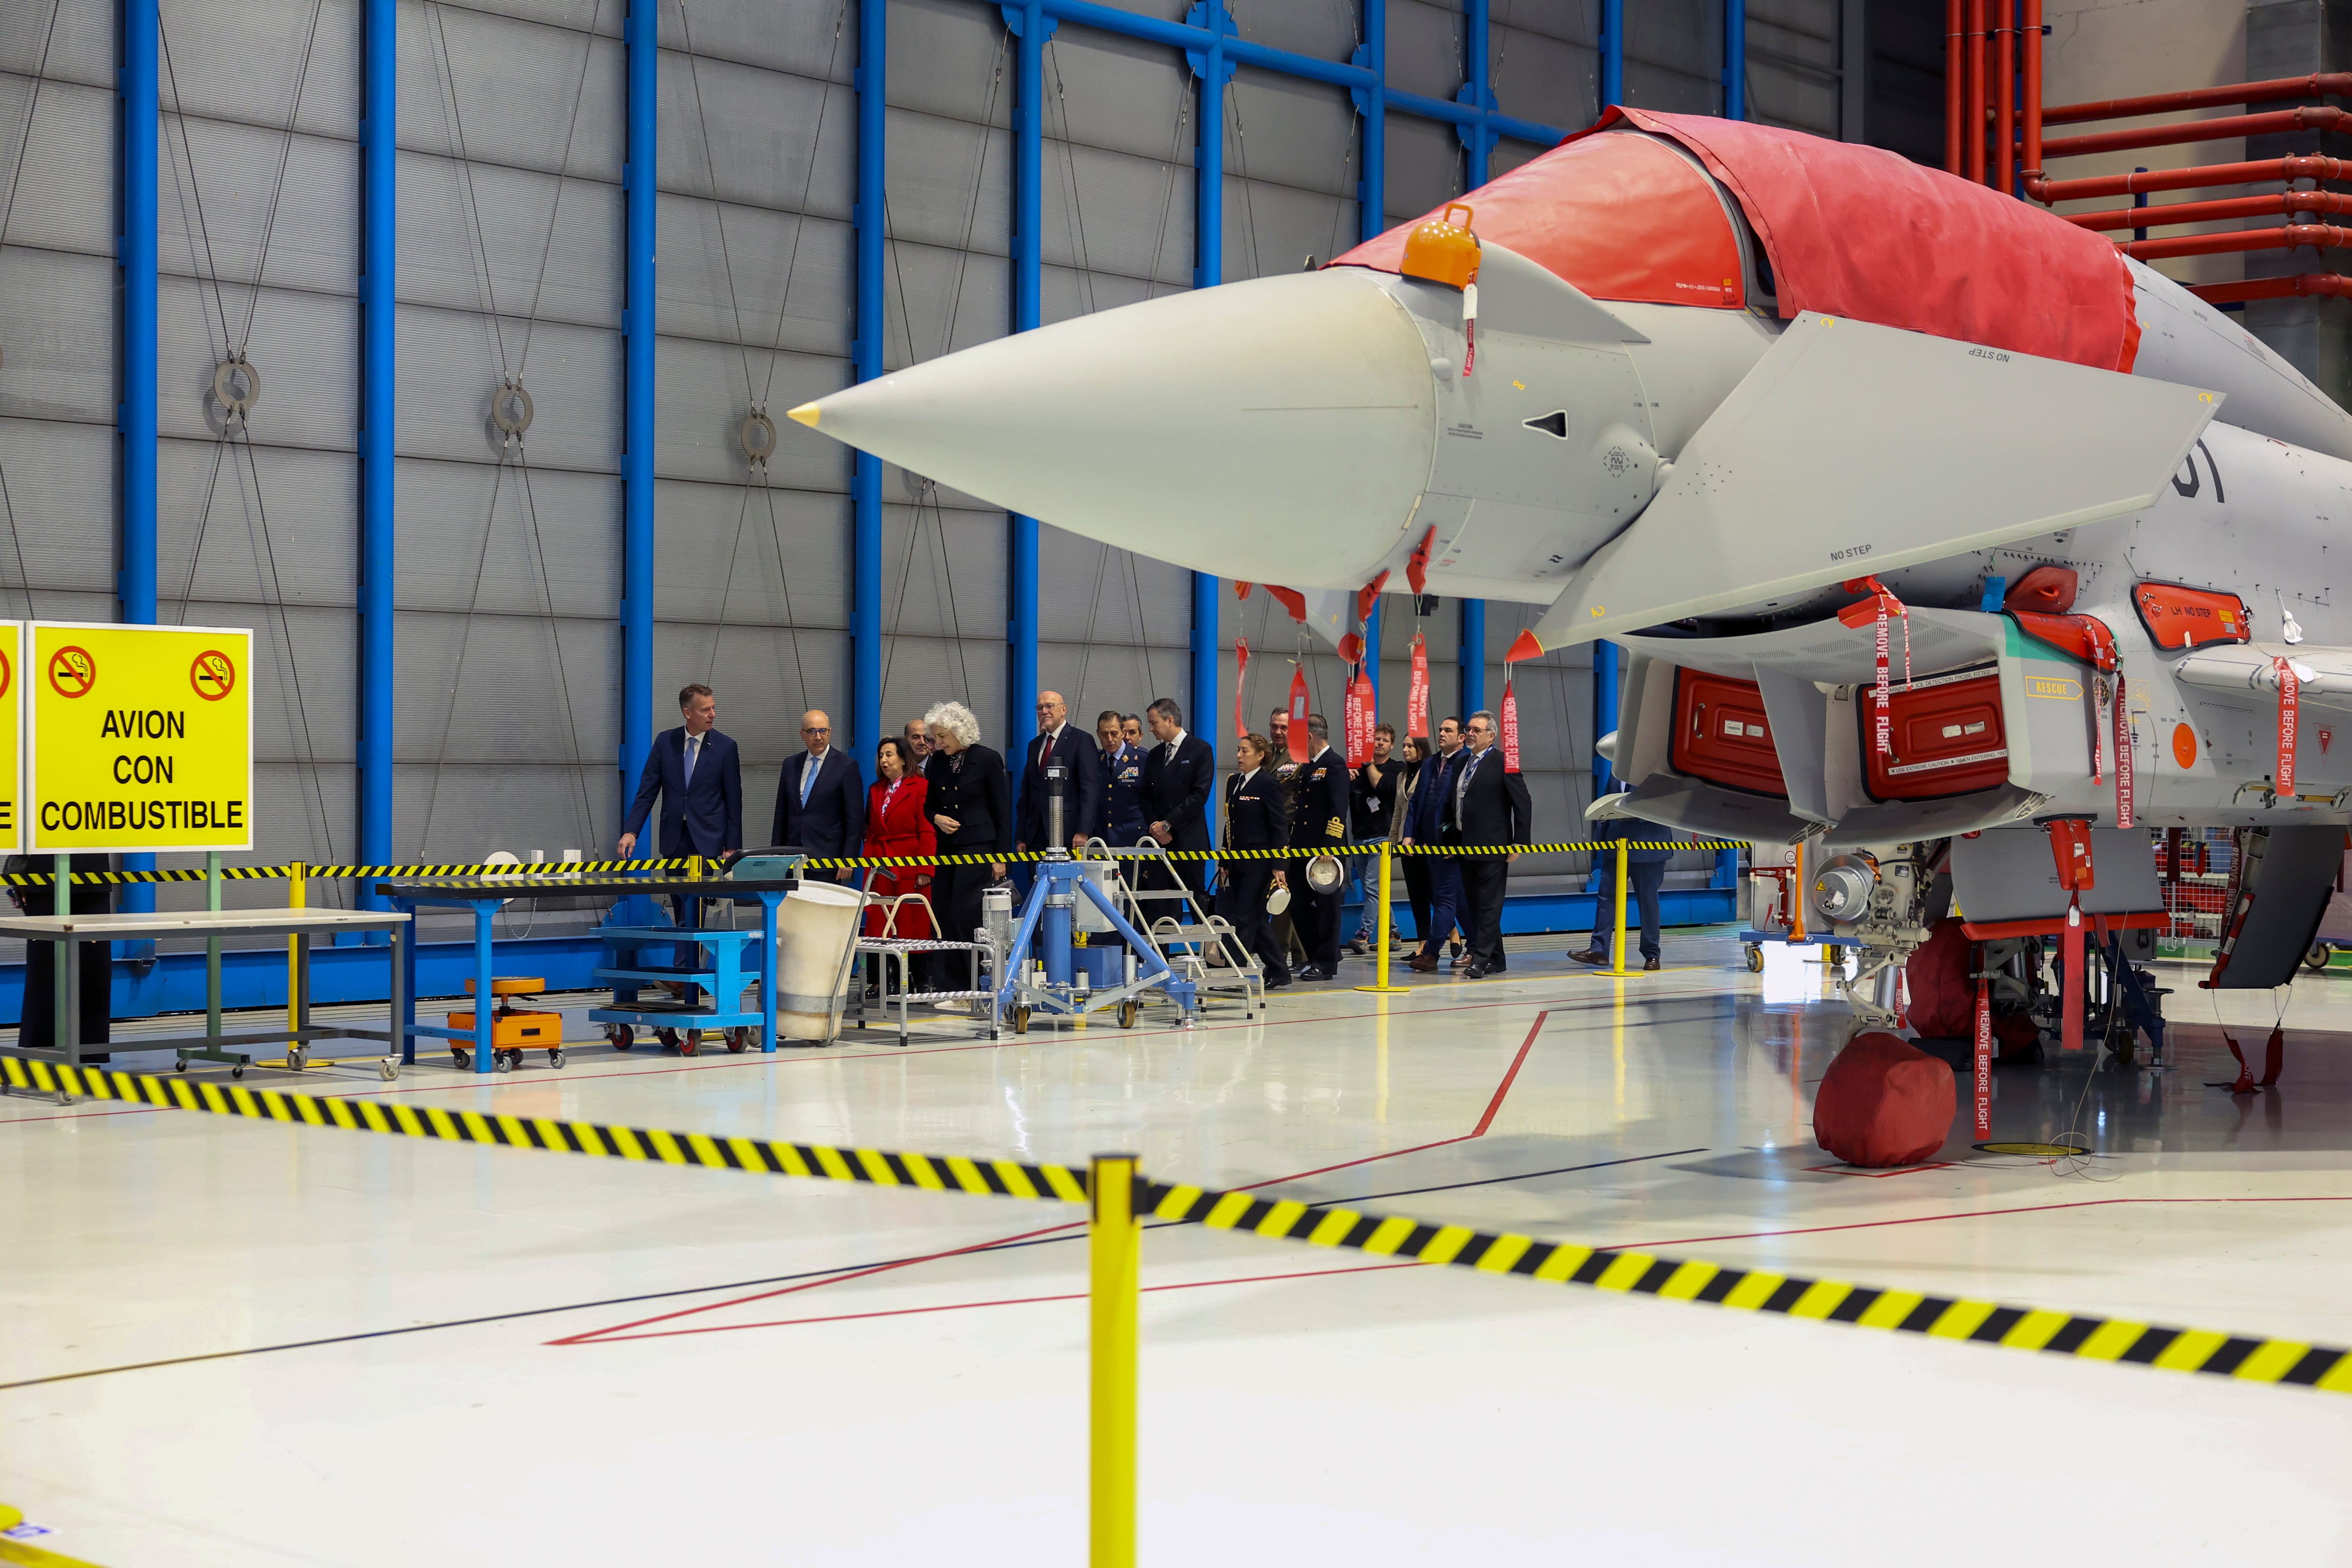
{"points": [[1277, 430]]}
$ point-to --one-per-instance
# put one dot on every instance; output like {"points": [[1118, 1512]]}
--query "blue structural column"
{"points": [[135, 258], [1214, 70], [1612, 52], [379, 216], [1734, 59], [644, 45], [1030, 28], [1372, 208], [1604, 710], [870, 81], [1479, 143]]}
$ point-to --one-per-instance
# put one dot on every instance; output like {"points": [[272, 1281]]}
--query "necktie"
{"points": [[809, 767], [693, 750]]}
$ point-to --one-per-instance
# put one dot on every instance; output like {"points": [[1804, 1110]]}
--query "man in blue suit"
{"points": [[1425, 823], [698, 775], [821, 799], [1646, 874]]}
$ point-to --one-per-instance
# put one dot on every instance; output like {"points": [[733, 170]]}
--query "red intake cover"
{"points": [[1722, 737]]}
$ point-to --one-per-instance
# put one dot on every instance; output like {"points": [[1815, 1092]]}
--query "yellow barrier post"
{"points": [[298, 896], [1381, 964], [1114, 1247], [1617, 949]]}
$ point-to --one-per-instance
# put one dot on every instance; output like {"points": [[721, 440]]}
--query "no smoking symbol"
{"points": [[72, 672], [213, 675]]}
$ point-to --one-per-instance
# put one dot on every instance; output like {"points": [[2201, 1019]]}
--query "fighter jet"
{"points": [[1927, 520]]}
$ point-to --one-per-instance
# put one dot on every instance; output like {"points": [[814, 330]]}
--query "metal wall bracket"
{"points": [[511, 412], [236, 387]]}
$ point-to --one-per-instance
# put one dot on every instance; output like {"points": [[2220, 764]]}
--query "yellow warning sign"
{"points": [[12, 750], [141, 738]]}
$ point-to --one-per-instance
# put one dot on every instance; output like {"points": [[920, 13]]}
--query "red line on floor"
{"points": [[1007, 1302], [1931, 1219], [1503, 1088]]}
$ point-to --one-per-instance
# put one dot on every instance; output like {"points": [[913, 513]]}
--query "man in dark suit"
{"points": [[1122, 760], [820, 799], [1426, 816], [1179, 771], [1490, 807], [1319, 825], [1646, 874], [1058, 740], [698, 774], [1255, 818]]}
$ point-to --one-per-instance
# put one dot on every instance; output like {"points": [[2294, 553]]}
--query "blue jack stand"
{"points": [[1045, 938]]}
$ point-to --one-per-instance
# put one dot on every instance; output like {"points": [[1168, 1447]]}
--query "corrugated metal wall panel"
{"points": [[1674, 55], [57, 331], [243, 59], [314, 236], [938, 300], [1090, 593], [763, 129], [949, 58], [519, 805], [764, 678], [1792, 64], [811, 314], [561, 261], [64, 192], [491, 688], [1118, 95], [700, 400], [1545, 66], [815, 38], [1424, 50], [944, 571], [60, 479], [1118, 214], [449, 364], [78, 34], [304, 346], [507, 88], [211, 543], [755, 555], [558, 541], [919, 671], [1425, 164]]}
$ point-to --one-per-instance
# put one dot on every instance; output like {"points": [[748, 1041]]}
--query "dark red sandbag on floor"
{"points": [[1884, 1103]]}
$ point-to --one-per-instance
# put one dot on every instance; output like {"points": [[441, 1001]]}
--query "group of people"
{"points": [[940, 795]]}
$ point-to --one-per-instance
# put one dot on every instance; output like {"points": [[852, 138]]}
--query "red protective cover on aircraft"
{"points": [[1882, 1102], [1619, 216], [1721, 735], [2178, 617], [1940, 983], [1850, 231], [1948, 738]]}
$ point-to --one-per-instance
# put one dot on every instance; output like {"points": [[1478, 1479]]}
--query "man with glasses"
{"points": [[1080, 786], [820, 799], [1489, 808]]}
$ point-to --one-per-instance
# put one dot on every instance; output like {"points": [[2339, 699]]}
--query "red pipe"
{"points": [[1972, 123], [2325, 203], [2319, 236], [2004, 132], [2199, 178], [2032, 172], [2336, 84], [2184, 131], [2310, 283], [1953, 75]]}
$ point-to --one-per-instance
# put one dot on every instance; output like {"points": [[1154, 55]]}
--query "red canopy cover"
{"points": [[1850, 231]]}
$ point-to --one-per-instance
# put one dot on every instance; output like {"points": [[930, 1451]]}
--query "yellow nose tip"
{"points": [[805, 414]]}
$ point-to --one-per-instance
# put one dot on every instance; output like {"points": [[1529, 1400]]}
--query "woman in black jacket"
{"points": [[969, 799]]}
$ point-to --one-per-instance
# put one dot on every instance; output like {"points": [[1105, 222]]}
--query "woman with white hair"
{"points": [[970, 800]]}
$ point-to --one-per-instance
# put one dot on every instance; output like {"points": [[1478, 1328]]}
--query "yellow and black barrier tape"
{"points": [[541, 870], [1303, 851], [2244, 1357]]}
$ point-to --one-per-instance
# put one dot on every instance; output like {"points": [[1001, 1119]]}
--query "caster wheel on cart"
{"points": [[690, 1042], [555, 1056], [297, 1058], [2319, 956], [668, 1039], [504, 1060], [738, 1041], [621, 1036], [1128, 1011], [1020, 1020], [181, 1065], [388, 1070], [1755, 959], [237, 1071], [462, 1057]]}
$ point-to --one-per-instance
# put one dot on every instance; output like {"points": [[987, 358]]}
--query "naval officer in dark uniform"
{"points": [[1319, 825], [1256, 817]]}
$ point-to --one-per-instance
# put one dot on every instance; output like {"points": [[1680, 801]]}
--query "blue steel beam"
{"points": [[1371, 210], [378, 220], [1212, 21], [1030, 28], [135, 259], [642, 39], [870, 81], [1612, 52], [1604, 710], [1734, 59]]}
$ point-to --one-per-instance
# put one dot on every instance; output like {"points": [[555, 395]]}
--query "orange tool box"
{"points": [[1721, 736], [513, 1030]]}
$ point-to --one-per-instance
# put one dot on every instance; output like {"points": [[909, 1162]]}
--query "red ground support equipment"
{"points": [[1883, 1102], [1948, 739], [1721, 735]]}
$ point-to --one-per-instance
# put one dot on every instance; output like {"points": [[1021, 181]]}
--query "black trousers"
{"points": [[38, 1020], [955, 896], [1416, 893], [1315, 917], [1241, 902], [1482, 887]]}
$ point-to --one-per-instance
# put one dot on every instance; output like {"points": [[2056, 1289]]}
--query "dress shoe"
{"points": [[1422, 963], [1309, 972], [1649, 964], [1474, 972], [1359, 947], [1588, 956], [1496, 967], [1463, 960], [1275, 982]]}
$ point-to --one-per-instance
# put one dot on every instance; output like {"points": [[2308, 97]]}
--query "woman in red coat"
{"points": [[898, 824]]}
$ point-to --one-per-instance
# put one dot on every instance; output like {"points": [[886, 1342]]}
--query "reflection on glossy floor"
{"points": [[498, 1356]]}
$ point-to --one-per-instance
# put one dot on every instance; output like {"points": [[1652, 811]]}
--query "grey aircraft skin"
{"points": [[1699, 485]]}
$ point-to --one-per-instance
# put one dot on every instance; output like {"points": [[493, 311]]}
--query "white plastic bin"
{"points": [[815, 924]]}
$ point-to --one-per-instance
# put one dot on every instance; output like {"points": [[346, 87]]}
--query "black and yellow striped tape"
{"points": [[2244, 1357], [543, 870], [1480, 851]]}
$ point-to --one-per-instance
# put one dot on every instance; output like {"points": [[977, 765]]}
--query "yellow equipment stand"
{"points": [[515, 1030], [1114, 1248], [1381, 964]]}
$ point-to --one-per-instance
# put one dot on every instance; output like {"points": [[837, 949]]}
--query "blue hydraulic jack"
{"points": [[1048, 972]]}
